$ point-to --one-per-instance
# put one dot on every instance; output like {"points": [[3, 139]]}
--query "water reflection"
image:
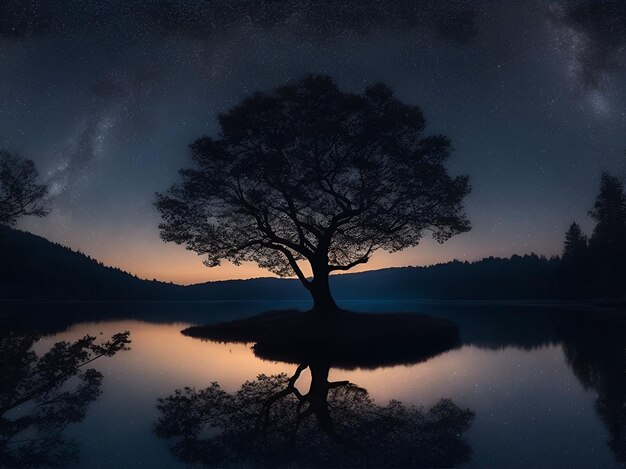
{"points": [[595, 348], [593, 344], [547, 385], [269, 422], [41, 395]]}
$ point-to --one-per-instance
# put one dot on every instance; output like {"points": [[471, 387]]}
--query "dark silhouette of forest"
{"points": [[596, 266], [34, 268], [39, 269]]}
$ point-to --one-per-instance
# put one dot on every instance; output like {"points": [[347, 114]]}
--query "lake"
{"points": [[527, 386]]}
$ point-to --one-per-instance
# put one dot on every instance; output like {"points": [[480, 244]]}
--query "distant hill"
{"points": [[32, 267]]}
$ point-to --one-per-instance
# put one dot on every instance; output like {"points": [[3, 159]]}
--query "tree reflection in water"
{"points": [[41, 395], [270, 422], [595, 348]]}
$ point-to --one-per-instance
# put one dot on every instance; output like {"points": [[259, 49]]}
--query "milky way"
{"points": [[105, 96]]}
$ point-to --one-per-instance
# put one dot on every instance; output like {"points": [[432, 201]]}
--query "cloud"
{"points": [[597, 36]]}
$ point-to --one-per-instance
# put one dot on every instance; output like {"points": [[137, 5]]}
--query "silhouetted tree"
{"points": [[311, 173], [41, 395], [269, 422], [575, 242], [608, 241], [575, 262], [19, 192], [43, 270]]}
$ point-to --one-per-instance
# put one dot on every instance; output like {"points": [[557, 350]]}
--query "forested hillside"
{"points": [[34, 268]]}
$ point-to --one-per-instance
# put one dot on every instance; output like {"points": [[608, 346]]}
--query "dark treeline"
{"points": [[596, 266], [33, 268], [519, 277]]}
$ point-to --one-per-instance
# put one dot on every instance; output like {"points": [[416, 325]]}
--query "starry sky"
{"points": [[105, 96]]}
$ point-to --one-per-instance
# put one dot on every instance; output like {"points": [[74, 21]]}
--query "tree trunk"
{"points": [[323, 302], [318, 395]]}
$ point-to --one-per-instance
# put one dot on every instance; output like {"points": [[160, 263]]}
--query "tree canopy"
{"points": [[608, 241], [19, 192], [609, 212], [308, 172], [575, 262], [575, 241]]}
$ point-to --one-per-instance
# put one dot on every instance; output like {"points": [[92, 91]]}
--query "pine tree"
{"points": [[575, 263], [575, 243], [608, 242]]}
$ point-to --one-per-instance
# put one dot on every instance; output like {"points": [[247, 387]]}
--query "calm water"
{"points": [[547, 387]]}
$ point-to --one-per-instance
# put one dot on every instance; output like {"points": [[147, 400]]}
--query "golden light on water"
{"points": [[164, 359]]}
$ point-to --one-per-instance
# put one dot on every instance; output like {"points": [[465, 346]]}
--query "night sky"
{"points": [[105, 97]]}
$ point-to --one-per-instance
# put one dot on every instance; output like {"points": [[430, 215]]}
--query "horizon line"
{"points": [[276, 277]]}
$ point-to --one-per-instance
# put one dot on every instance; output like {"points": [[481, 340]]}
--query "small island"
{"points": [[344, 339]]}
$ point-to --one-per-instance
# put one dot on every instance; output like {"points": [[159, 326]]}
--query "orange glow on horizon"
{"points": [[187, 268], [144, 254], [171, 263]]}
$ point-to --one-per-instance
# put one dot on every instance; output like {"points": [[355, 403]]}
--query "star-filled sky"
{"points": [[105, 96]]}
